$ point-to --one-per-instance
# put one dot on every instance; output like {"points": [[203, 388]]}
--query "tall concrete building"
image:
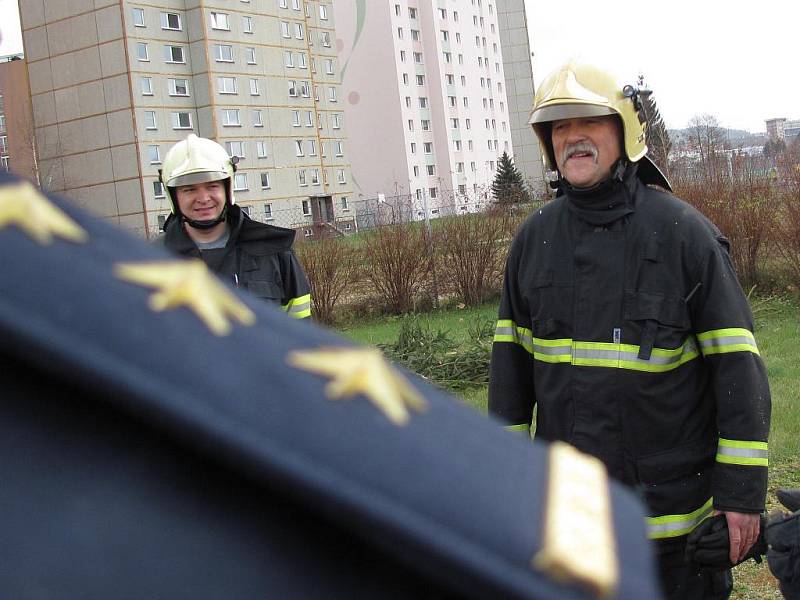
{"points": [[115, 83], [425, 98], [17, 150], [513, 26]]}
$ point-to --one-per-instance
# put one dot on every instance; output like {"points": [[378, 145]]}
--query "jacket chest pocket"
{"points": [[551, 307], [658, 320], [267, 290]]}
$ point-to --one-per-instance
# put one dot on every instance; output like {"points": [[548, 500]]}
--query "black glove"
{"points": [[708, 546], [783, 535]]}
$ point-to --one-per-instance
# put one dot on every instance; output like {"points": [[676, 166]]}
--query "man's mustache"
{"points": [[579, 148]]}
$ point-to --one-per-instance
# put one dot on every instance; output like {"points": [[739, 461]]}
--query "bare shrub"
{"points": [[332, 267], [742, 205], [472, 251], [397, 263], [787, 238]]}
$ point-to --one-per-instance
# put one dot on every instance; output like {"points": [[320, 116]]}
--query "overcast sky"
{"points": [[737, 60], [734, 59]]}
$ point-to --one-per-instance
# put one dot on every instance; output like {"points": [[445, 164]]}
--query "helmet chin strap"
{"points": [[208, 224]]}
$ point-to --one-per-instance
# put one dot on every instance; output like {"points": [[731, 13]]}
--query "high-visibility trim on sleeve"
{"points": [[508, 331], [739, 452], [298, 308], [523, 427], [720, 341], [670, 526]]}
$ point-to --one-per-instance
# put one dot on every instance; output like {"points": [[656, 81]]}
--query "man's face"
{"points": [[201, 201], [586, 148]]}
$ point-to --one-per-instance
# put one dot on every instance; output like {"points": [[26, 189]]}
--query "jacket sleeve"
{"points": [[511, 391], [296, 300], [723, 325]]}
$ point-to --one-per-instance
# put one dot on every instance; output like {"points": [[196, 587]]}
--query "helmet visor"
{"points": [[200, 177], [556, 112]]}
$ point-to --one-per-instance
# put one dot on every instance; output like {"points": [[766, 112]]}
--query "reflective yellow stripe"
{"points": [[524, 427], [595, 354], [739, 452], [720, 341], [299, 308], [669, 526]]}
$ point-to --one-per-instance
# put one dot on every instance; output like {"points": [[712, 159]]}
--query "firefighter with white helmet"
{"points": [[622, 321], [205, 223]]}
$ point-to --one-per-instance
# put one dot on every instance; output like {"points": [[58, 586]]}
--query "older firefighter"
{"points": [[206, 223], [623, 322]]}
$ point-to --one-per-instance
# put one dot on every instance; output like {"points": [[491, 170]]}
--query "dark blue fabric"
{"points": [[145, 457]]}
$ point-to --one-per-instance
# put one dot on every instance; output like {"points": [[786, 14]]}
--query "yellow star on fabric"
{"points": [[23, 205], [188, 283], [362, 371]]}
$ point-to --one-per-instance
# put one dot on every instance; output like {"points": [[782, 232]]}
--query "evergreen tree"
{"points": [[508, 185], [659, 143]]}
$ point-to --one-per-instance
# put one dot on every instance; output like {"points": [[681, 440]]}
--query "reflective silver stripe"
{"points": [[668, 526], [297, 308], [730, 340], [552, 350], [744, 452]]}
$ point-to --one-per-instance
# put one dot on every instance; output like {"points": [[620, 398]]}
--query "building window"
{"points": [[332, 94], [338, 147], [343, 204], [178, 87], [302, 60], [296, 4], [288, 58], [308, 232], [240, 181], [235, 148], [285, 29], [264, 180], [268, 212], [423, 102], [158, 189], [261, 149], [312, 147], [432, 194], [445, 35], [292, 88], [220, 21], [415, 35], [418, 57], [223, 53], [141, 51], [170, 21], [298, 31], [305, 90], [295, 118], [254, 87], [138, 17], [340, 176], [298, 148], [250, 56], [335, 123], [174, 54], [230, 117], [428, 147], [325, 37], [323, 12], [154, 154], [150, 119], [310, 119], [425, 124], [329, 66], [301, 177], [283, 3], [405, 78], [226, 85], [306, 208], [413, 147], [257, 118], [181, 120], [315, 176], [247, 24], [412, 13], [146, 86], [431, 169], [402, 56], [246, 210], [420, 79]]}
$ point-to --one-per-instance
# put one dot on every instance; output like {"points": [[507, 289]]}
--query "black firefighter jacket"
{"points": [[258, 258], [623, 322]]}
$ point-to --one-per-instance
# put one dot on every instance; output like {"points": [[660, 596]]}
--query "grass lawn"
{"points": [[777, 332]]}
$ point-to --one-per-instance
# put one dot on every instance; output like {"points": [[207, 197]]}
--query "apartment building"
{"points": [[512, 23], [17, 151], [426, 102], [115, 83]]}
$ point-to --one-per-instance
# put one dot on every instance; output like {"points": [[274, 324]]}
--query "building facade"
{"points": [[115, 83], [17, 150], [425, 101], [513, 26]]}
